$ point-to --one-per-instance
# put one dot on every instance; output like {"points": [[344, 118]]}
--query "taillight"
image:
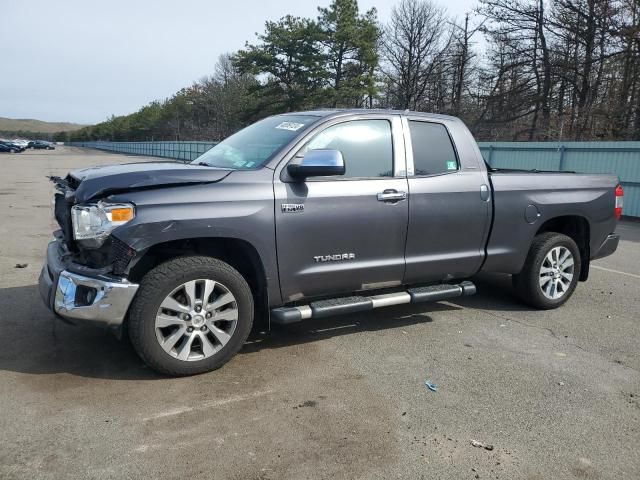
{"points": [[619, 201]]}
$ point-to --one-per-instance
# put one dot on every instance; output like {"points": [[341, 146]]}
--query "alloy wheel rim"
{"points": [[556, 273], [196, 320]]}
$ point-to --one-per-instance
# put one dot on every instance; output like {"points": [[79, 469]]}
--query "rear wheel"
{"points": [[191, 315], [550, 273]]}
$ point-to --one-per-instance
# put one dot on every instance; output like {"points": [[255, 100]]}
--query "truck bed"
{"points": [[524, 200]]}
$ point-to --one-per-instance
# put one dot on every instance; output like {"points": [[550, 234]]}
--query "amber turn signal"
{"points": [[121, 214]]}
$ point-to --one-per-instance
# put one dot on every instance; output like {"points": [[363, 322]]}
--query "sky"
{"points": [[82, 61]]}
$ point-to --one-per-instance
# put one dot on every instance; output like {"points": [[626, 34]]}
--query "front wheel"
{"points": [[550, 273], [190, 315]]}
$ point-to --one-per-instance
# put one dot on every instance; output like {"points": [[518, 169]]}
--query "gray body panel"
{"points": [[101, 181], [240, 208], [340, 217], [555, 195], [446, 228], [440, 205]]}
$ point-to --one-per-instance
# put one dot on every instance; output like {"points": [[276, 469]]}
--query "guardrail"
{"points": [[618, 158], [185, 151]]}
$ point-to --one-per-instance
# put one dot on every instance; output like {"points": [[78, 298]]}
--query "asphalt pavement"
{"points": [[552, 395]]}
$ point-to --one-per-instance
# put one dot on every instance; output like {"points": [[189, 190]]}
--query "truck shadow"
{"points": [[320, 329], [35, 342], [495, 292]]}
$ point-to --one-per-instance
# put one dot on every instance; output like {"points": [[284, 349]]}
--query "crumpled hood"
{"points": [[101, 181]]}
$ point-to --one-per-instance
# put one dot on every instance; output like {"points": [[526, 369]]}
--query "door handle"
{"points": [[392, 196], [485, 194]]}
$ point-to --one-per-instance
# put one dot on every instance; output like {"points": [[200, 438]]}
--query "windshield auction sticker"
{"points": [[290, 126]]}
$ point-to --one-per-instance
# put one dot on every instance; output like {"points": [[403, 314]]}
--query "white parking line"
{"points": [[615, 271]]}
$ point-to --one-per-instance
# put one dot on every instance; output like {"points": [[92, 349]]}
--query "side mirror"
{"points": [[318, 163]]}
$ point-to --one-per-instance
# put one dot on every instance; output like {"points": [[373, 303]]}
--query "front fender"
{"points": [[240, 207]]}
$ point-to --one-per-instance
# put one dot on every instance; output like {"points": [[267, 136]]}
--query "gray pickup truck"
{"points": [[307, 215]]}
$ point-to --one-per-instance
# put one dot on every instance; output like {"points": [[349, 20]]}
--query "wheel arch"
{"points": [[578, 229], [239, 253]]}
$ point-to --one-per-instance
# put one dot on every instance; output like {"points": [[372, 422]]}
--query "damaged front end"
{"points": [[85, 276], [86, 218], [98, 252], [83, 282]]}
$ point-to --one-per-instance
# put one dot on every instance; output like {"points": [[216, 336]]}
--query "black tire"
{"points": [[527, 282], [154, 288]]}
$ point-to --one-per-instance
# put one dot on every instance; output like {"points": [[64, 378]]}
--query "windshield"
{"points": [[251, 147]]}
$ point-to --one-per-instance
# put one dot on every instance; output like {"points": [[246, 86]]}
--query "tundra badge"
{"points": [[334, 258]]}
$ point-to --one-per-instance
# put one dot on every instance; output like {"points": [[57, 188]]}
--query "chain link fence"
{"points": [[185, 151]]}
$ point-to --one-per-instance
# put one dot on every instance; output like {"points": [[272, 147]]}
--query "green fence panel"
{"points": [[184, 151]]}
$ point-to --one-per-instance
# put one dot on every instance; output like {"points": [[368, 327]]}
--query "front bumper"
{"points": [[609, 246], [81, 298]]}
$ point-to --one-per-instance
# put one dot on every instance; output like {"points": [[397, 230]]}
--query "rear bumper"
{"points": [[609, 246], [101, 300]]}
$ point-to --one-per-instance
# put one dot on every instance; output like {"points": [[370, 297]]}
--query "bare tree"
{"points": [[461, 59], [521, 27], [413, 49]]}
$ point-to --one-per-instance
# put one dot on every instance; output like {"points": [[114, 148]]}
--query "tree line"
{"points": [[511, 69]]}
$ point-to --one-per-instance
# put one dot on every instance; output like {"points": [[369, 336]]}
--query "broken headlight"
{"points": [[93, 223]]}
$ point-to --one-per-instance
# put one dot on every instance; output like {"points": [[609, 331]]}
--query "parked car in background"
{"points": [[21, 142], [11, 147], [42, 145], [4, 148]]}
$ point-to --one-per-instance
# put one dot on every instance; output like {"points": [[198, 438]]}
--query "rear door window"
{"points": [[433, 152]]}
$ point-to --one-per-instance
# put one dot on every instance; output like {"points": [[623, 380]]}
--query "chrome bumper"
{"points": [[74, 297]]}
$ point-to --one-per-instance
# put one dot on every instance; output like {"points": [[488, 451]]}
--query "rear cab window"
{"points": [[433, 151]]}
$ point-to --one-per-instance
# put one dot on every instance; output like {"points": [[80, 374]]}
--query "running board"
{"points": [[339, 306]]}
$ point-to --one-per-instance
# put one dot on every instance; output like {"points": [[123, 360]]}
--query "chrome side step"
{"points": [[339, 306]]}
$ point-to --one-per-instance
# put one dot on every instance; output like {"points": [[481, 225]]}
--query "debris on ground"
{"points": [[21, 265], [431, 386], [478, 444], [307, 403]]}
